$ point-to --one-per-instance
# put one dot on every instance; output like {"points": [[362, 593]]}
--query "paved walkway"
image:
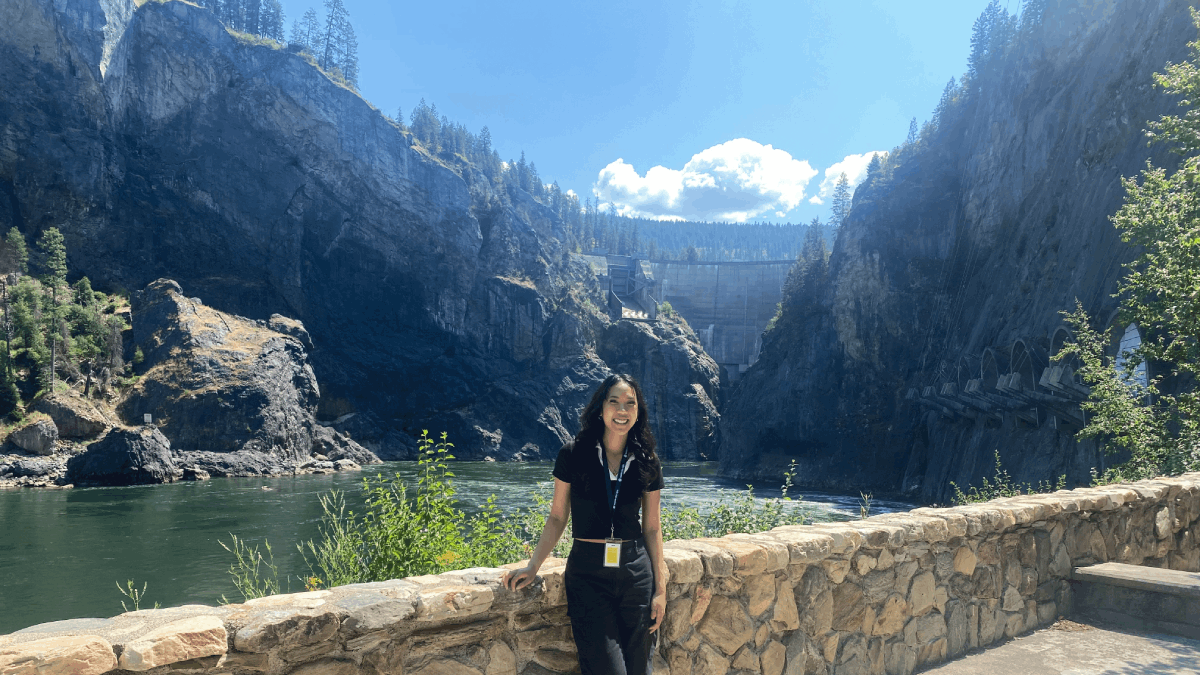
{"points": [[1069, 648]]}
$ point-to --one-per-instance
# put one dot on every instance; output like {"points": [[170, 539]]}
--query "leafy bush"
{"points": [[398, 536], [253, 575], [1002, 485]]}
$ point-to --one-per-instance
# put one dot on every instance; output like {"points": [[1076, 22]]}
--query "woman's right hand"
{"points": [[515, 580]]}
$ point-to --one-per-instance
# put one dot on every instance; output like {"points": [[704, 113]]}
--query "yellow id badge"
{"points": [[612, 552]]}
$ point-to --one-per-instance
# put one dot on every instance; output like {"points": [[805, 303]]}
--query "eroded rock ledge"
{"points": [[885, 594]]}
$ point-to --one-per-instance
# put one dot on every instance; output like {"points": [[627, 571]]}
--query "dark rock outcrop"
{"points": [[432, 299], [219, 385], [236, 464], [681, 383], [125, 456], [334, 446], [955, 268], [37, 437], [218, 382]]}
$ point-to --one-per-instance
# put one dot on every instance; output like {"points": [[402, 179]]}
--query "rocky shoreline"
{"points": [[32, 471], [211, 395]]}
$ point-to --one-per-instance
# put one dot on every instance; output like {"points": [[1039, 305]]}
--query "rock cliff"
{"points": [[165, 147], [955, 269], [230, 395]]}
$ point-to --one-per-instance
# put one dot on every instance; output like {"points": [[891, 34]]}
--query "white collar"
{"points": [[604, 461]]}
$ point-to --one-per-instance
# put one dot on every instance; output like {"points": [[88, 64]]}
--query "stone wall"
{"points": [[881, 595], [736, 298]]}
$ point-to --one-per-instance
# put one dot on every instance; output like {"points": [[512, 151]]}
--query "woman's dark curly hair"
{"points": [[640, 440]]}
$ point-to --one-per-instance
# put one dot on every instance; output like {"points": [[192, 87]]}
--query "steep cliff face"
{"points": [[667, 360], [163, 146], [956, 268]]}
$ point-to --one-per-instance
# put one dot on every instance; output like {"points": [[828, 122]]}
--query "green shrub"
{"points": [[253, 575], [399, 535], [135, 596], [1002, 485]]}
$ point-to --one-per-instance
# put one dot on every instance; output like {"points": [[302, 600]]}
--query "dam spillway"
{"points": [[728, 304]]}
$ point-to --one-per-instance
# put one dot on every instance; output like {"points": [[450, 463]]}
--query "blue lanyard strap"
{"points": [[612, 494]]}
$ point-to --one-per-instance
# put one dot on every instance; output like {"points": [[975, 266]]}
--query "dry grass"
{"points": [[247, 38]]}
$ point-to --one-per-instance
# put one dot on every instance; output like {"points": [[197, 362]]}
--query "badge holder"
{"points": [[612, 552]]}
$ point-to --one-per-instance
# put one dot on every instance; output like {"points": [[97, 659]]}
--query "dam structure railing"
{"points": [[885, 594]]}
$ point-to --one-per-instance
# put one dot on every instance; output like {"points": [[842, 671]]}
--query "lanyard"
{"points": [[612, 494]]}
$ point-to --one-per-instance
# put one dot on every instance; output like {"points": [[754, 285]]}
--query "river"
{"points": [[62, 552]]}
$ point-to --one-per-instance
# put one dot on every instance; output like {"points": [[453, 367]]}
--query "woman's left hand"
{"points": [[658, 609]]}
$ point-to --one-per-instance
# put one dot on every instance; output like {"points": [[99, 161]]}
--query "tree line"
{"points": [[260, 18], [50, 330], [329, 41]]}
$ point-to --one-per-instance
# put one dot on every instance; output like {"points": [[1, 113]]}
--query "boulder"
{"points": [[195, 473], [334, 445], [125, 456], [293, 327], [36, 438], [74, 417]]}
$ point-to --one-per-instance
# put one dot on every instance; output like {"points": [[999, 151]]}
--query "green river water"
{"points": [[62, 551]]}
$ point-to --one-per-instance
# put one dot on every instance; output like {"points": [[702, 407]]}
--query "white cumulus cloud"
{"points": [[736, 180], [855, 168]]}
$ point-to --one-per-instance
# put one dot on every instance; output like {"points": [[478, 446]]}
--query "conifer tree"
{"points": [[873, 166], [54, 275], [338, 47], [840, 207], [272, 20], [912, 133], [17, 251]]}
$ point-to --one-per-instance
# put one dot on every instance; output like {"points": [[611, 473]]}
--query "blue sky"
{"points": [[579, 86]]}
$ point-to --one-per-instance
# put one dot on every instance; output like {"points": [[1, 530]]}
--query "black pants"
{"points": [[610, 608]]}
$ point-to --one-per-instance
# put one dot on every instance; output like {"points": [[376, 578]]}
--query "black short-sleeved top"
{"points": [[590, 515]]}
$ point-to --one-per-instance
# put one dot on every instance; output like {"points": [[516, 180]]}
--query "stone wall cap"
{"points": [[77, 655], [182, 640], [444, 602], [805, 544], [879, 533], [68, 626], [846, 539], [307, 599], [683, 566], [776, 550], [749, 557], [718, 562]]}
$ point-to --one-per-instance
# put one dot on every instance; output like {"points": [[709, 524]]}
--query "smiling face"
{"points": [[620, 411]]}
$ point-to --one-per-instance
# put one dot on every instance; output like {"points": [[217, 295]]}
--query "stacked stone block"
{"points": [[882, 595]]}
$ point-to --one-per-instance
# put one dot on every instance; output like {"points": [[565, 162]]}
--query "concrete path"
{"points": [[1069, 648]]}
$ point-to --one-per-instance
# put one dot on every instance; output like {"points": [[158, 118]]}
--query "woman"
{"points": [[615, 579]]}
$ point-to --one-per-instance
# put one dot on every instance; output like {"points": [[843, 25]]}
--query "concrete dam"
{"points": [[728, 304]]}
